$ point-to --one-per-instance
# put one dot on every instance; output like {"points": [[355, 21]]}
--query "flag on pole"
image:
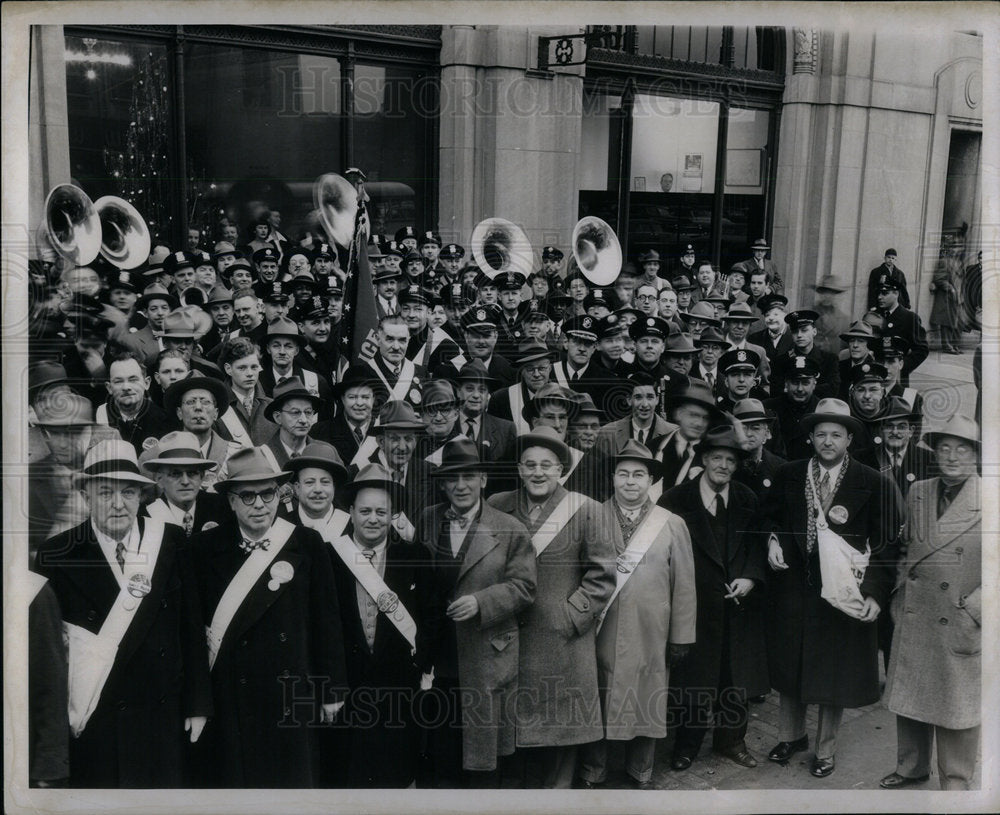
{"points": [[360, 319]]}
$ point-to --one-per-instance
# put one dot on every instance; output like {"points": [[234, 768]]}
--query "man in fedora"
{"points": [[275, 641], [219, 305], [390, 612], [711, 345], [861, 340], [760, 262], [67, 427], [386, 285], [244, 418], [935, 673], [317, 475], [534, 367], [899, 455], [392, 445], [699, 317], [484, 576], [649, 263], [195, 401], [294, 410], [651, 613], [728, 661], [693, 410], [137, 663], [802, 326], [819, 653], [357, 396], [281, 362], [182, 328], [179, 471], [494, 436], [155, 303], [571, 536], [759, 467], [678, 356]]}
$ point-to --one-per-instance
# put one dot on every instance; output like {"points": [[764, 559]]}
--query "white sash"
{"points": [[365, 451], [560, 374], [239, 587], [910, 395], [556, 521], [517, 409], [371, 581], [159, 511], [636, 550], [234, 425], [35, 582], [273, 461], [92, 656], [311, 381], [575, 456], [406, 375], [332, 529], [101, 415]]}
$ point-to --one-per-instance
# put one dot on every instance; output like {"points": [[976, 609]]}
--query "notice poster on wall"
{"points": [[691, 180]]}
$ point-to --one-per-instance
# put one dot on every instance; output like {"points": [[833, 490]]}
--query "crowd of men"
{"points": [[542, 518]]}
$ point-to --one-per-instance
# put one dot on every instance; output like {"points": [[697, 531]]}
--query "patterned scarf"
{"points": [[628, 527], [811, 499]]}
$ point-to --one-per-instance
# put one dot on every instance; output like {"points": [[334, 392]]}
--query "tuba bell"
{"points": [[125, 240], [499, 246], [336, 202], [72, 224], [596, 251]]}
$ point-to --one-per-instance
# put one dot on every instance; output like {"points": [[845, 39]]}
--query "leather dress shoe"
{"points": [[895, 781], [643, 785], [757, 700], [588, 785], [680, 762], [739, 755], [822, 767], [784, 750]]}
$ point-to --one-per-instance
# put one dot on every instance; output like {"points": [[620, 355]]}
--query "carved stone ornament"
{"points": [[804, 61]]}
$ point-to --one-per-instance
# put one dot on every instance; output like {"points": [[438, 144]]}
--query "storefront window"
{"points": [[744, 208], [120, 119]]}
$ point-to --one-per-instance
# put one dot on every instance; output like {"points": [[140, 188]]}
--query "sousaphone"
{"points": [[499, 246], [72, 224], [125, 240], [597, 251], [336, 202]]}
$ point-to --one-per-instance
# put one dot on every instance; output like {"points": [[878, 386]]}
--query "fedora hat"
{"points": [[533, 350], [43, 374], [752, 410], [711, 335], [178, 449], [113, 459], [701, 311], [460, 455], [554, 392], [831, 410], [698, 393], [760, 243], [154, 291], [721, 437], [649, 256], [175, 393], [323, 456], [224, 248], [634, 451], [899, 408], [397, 415], [284, 328], [69, 410], [959, 427], [248, 465], [475, 371], [186, 322], [373, 476], [682, 283], [832, 283], [356, 376], [285, 392], [219, 294], [859, 330], [679, 344], [586, 406], [548, 438], [740, 311]]}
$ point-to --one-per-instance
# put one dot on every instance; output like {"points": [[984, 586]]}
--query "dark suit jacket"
{"points": [[791, 439], [281, 635], [873, 276], [135, 737], [763, 339], [48, 722], [906, 324], [761, 478], [829, 372], [209, 507], [257, 424], [609, 392], [918, 465], [418, 491], [338, 433], [612, 437], [717, 563]]}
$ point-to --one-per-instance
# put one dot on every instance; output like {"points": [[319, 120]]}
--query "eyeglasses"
{"points": [[198, 403], [299, 414], [544, 466], [645, 297], [540, 368], [434, 410], [249, 498]]}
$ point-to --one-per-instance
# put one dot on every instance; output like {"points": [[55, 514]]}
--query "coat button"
{"points": [[283, 637], [163, 603], [284, 673], [122, 705], [163, 699], [288, 712], [163, 652], [944, 585], [92, 615], [244, 643], [943, 621], [243, 680]]}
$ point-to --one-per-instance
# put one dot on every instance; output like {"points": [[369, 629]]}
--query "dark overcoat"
{"points": [[817, 653], [135, 737]]}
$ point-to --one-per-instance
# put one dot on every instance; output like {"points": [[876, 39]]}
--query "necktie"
{"points": [[188, 523], [534, 512], [470, 429], [710, 379], [824, 488], [248, 405], [720, 506], [946, 496], [281, 381], [456, 518], [640, 436], [248, 545], [369, 555], [120, 555], [358, 434]]}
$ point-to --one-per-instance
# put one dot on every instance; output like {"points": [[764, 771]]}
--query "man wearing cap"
{"points": [[180, 266], [534, 367], [935, 674], [728, 661], [600, 302], [397, 374], [797, 400], [891, 352], [737, 321], [122, 293], [486, 287], [761, 263], [869, 403], [439, 413], [899, 455], [651, 612], [451, 257], [274, 301], [510, 324], [650, 336], [389, 610], [392, 445], [579, 371], [494, 436], [899, 321], [179, 471], [156, 302], [386, 286], [692, 409], [69, 432], [821, 653], [611, 333], [224, 254], [406, 237], [738, 378], [138, 674], [274, 635], [684, 265], [888, 268], [358, 394], [572, 539], [244, 417], [649, 263], [318, 349], [282, 344], [266, 261], [774, 337], [802, 326], [484, 574], [552, 258], [130, 411], [861, 342], [480, 325], [427, 347], [760, 466], [47, 382]]}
